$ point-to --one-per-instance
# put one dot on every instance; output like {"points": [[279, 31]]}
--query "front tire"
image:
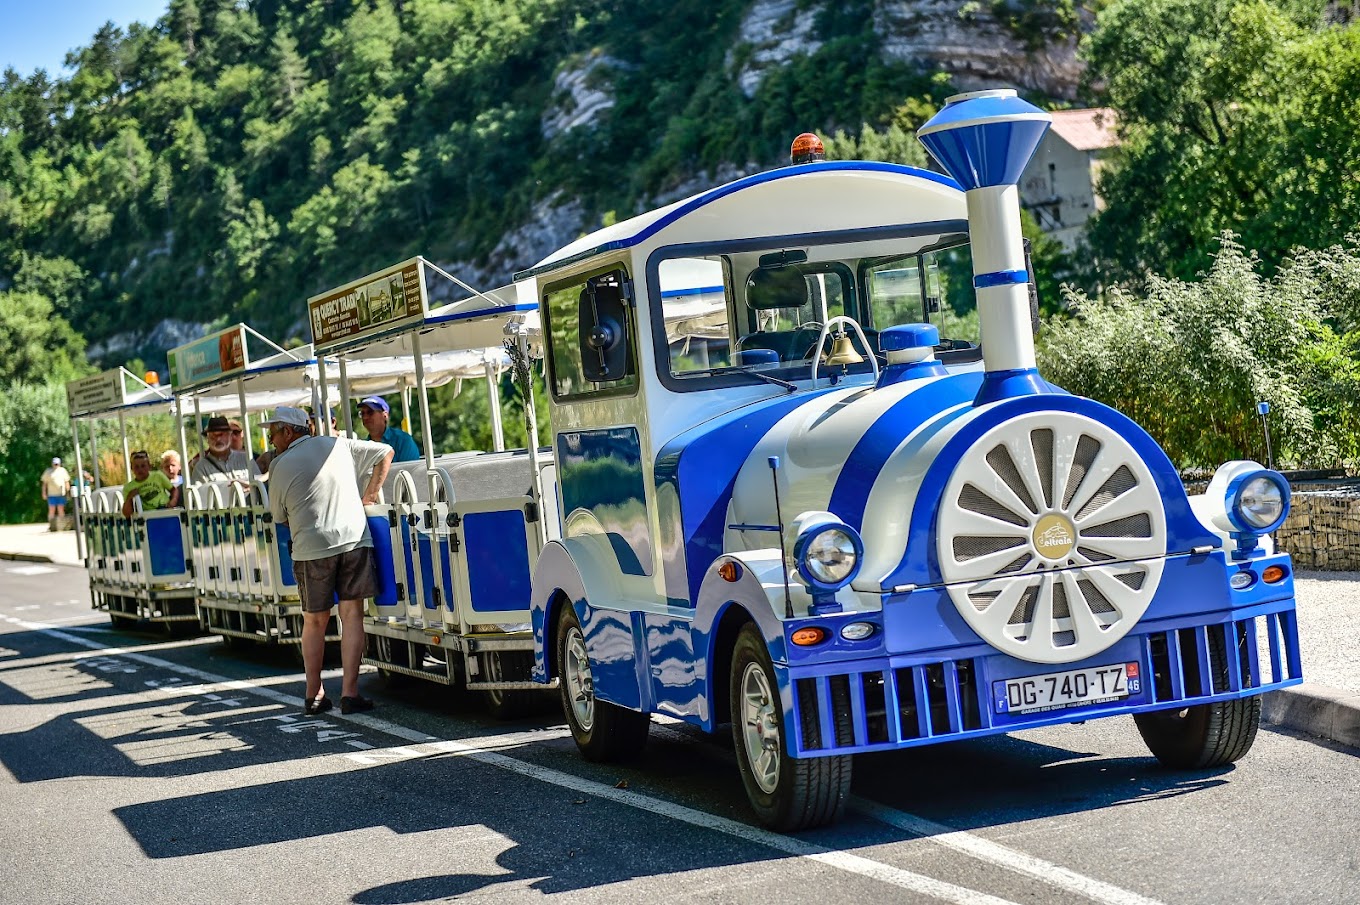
{"points": [[1204, 735], [787, 793], [604, 732]]}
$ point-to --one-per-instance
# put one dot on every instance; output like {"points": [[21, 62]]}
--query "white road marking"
{"points": [[30, 570], [482, 750], [995, 853]]}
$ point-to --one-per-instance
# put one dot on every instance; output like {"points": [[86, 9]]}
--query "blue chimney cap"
{"points": [[908, 336], [985, 138]]}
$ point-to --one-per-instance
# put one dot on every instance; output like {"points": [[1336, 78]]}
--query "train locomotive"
{"points": [[767, 525]]}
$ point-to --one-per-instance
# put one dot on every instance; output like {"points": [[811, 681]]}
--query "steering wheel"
{"points": [[826, 331], [807, 328]]}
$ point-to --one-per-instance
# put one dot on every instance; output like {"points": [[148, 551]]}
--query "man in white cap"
{"points": [[56, 486], [313, 490]]}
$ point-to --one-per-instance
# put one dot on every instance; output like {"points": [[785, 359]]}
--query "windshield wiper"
{"points": [[759, 375]]}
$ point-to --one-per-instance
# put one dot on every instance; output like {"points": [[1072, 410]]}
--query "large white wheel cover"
{"points": [[1051, 537]]}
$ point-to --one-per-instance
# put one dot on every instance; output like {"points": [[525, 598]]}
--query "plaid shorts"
{"points": [[345, 576]]}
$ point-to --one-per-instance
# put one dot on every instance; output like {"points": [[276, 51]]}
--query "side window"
{"points": [[949, 278], [695, 310], [894, 289], [591, 335]]}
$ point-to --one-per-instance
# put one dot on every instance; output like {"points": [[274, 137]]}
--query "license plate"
{"points": [[1057, 690]]}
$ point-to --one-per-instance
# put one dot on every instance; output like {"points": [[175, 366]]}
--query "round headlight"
{"points": [[1260, 502], [830, 556]]}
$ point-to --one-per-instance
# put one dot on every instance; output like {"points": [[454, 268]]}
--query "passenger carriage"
{"points": [[138, 565], [242, 571], [802, 510], [457, 533]]}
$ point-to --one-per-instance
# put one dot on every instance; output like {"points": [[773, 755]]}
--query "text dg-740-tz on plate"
{"points": [[1054, 691]]}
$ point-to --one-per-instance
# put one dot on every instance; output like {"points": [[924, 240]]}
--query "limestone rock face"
{"points": [[555, 221], [967, 41], [772, 33], [582, 92], [961, 37]]}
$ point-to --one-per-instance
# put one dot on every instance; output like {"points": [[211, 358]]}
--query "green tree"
{"points": [[1233, 114], [1190, 360], [36, 344], [33, 429]]}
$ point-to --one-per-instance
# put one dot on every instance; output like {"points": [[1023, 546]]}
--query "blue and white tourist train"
{"points": [[788, 488]]}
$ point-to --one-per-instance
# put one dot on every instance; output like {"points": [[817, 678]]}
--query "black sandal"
{"points": [[356, 704], [319, 704]]}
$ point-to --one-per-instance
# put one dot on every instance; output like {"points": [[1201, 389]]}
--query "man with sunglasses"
{"points": [[221, 462], [313, 490]]}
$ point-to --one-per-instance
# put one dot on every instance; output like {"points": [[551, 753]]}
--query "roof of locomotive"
{"points": [[816, 197]]}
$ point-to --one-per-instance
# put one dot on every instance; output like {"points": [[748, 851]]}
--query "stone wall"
{"points": [[1323, 530]]}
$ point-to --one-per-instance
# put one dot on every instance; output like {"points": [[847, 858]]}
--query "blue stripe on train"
{"points": [[887, 433]]}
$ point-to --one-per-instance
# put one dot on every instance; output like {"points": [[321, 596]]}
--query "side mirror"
{"points": [[602, 314]]}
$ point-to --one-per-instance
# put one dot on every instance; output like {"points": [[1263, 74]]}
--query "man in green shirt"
{"points": [[152, 487]]}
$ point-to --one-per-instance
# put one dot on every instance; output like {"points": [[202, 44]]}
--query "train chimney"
{"points": [[984, 139]]}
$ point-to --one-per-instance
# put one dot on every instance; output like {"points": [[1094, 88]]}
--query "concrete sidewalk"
{"points": [[34, 543], [1327, 705]]}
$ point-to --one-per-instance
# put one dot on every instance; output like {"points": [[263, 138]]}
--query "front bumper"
{"points": [[904, 700]]}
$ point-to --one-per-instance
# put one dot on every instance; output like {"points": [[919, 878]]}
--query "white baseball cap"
{"points": [[56, 460], [287, 414]]}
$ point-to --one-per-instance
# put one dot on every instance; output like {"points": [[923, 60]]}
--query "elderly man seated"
{"points": [[220, 462]]}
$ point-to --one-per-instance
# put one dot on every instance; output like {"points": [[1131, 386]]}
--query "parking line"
{"points": [[473, 748]]}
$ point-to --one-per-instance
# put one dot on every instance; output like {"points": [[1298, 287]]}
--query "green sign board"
{"points": [[216, 355]]}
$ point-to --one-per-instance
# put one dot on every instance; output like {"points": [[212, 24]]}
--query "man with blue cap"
{"points": [[375, 413]]}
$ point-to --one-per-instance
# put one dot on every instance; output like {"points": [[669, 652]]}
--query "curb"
{"points": [[26, 557], [1317, 710]]}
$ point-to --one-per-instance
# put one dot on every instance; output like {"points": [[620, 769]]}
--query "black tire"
{"points": [[604, 732], [389, 650], [787, 793], [1204, 735], [232, 643], [509, 666]]}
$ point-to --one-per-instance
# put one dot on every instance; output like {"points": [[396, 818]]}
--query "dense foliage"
{"points": [[236, 158], [1233, 114], [33, 429], [1189, 361]]}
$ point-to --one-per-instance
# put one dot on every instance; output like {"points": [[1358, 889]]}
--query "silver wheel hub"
{"points": [[579, 684], [760, 727]]}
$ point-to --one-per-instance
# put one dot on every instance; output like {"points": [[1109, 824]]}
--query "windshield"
{"points": [[765, 309]]}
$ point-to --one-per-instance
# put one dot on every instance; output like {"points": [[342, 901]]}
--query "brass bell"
{"points": [[843, 351]]}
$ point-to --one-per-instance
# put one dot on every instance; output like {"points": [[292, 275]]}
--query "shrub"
{"points": [[1190, 360]]}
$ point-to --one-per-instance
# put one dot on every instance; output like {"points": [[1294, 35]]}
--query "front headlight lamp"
{"points": [[1258, 501], [828, 553]]}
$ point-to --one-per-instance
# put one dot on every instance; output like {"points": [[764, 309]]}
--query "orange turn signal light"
{"points": [[806, 637], [729, 570], [1272, 574]]}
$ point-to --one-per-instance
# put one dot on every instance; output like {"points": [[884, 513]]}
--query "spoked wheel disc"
{"points": [[760, 728], [580, 687]]}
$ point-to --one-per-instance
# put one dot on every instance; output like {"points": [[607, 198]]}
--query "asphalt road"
{"points": [[144, 769]]}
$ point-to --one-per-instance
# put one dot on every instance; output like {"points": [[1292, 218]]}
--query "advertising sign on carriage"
{"points": [[370, 305], [214, 356], [97, 392]]}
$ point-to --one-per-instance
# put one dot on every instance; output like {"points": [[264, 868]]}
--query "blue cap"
{"points": [[376, 402], [908, 336], [985, 138]]}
